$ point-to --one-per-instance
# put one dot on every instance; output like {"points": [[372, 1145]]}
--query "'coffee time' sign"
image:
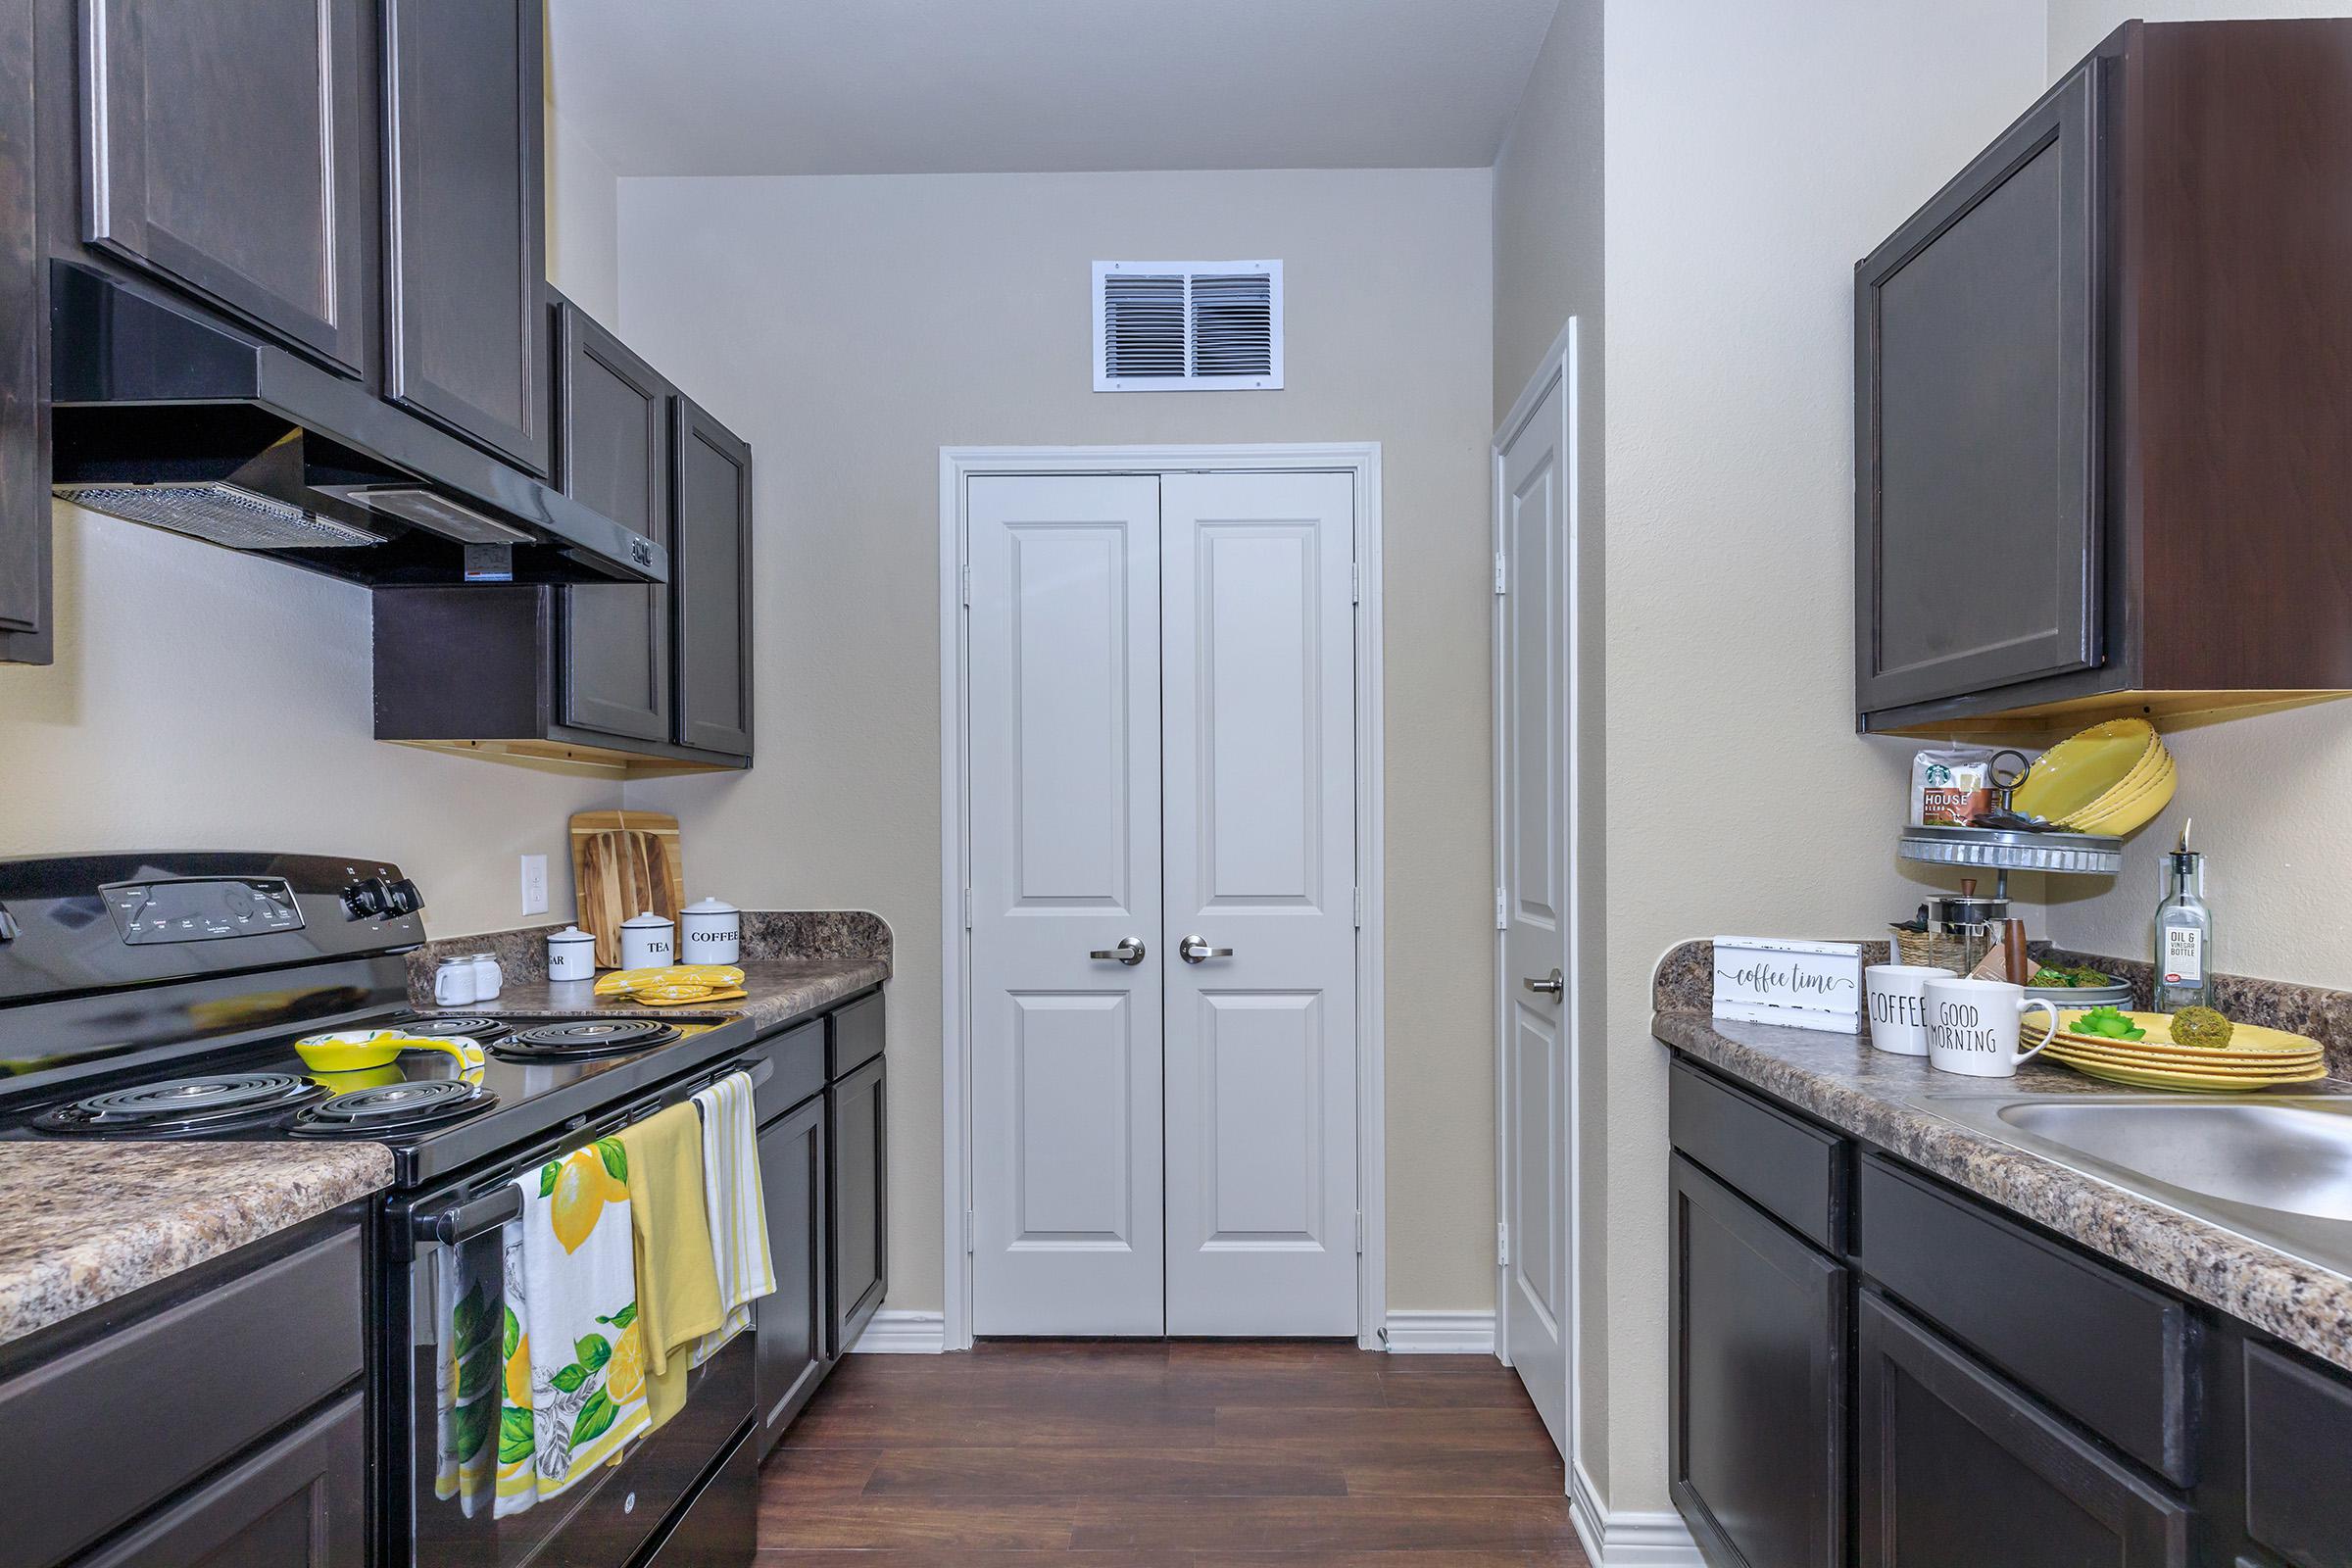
{"points": [[1802, 985]]}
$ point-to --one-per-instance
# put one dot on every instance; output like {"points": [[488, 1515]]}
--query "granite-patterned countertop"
{"points": [[1843, 1081], [81, 1224], [780, 990]]}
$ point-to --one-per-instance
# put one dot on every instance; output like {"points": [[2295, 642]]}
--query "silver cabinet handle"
{"points": [[1548, 986], [1196, 950], [1129, 952]]}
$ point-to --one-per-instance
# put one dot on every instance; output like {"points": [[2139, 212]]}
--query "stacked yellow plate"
{"points": [[2254, 1059], [2112, 779]]}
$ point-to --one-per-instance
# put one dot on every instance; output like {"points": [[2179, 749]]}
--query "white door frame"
{"points": [[957, 465], [1557, 369]]}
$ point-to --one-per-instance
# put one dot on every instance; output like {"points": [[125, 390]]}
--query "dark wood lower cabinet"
{"points": [[1758, 1380], [1960, 1469], [859, 1262], [792, 1323], [298, 1503]]}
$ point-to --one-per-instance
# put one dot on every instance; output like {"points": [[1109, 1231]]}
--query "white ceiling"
{"points": [[973, 86]]}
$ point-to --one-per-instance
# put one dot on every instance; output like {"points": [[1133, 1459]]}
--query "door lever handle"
{"points": [[1549, 986], [1196, 950], [1129, 952]]}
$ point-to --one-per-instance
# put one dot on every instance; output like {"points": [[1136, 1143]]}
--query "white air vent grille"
{"points": [[1188, 326]]}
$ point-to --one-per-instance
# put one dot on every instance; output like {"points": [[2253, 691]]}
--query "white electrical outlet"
{"points": [[534, 884]]}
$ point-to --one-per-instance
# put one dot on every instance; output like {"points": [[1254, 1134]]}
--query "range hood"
{"points": [[166, 415]]}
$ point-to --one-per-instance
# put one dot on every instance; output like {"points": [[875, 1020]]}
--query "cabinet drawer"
{"points": [[2109, 1352], [96, 1435], [1959, 1469], [2298, 1429], [857, 1036], [799, 1055], [1793, 1170]]}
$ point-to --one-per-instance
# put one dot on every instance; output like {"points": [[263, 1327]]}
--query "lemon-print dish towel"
{"points": [[575, 1320]]}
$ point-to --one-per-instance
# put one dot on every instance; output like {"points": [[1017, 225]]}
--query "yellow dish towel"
{"points": [[677, 1283], [737, 1208], [579, 1314]]}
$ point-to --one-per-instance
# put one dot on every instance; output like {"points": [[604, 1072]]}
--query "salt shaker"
{"points": [[487, 977], [452, 983]]}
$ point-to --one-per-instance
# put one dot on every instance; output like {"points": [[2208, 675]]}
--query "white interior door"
{"points": [[1534, 492], [1066, 864], [1258, 691]]}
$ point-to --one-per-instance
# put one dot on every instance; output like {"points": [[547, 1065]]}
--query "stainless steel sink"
{"points": [[2279, 1170]]}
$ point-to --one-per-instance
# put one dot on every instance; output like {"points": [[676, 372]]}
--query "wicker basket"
{"points": [[1930, 948]]}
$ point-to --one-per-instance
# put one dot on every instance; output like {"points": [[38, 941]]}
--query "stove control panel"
{"points": [[202, 908]]}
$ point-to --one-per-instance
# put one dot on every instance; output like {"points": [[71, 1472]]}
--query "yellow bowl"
{"points": [[2123, 811], [353, 1051], [2075, 773]]}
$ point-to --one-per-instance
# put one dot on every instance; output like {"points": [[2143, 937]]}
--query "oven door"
{"points": [[444, 1339]]}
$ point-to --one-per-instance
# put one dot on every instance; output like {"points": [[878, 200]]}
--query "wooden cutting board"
{"points": [[623, 863]]}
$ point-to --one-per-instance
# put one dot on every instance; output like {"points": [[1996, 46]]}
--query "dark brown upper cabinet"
{"points": [[2101, 385], [711, 570], [24, 622], [612, 454], [228, 149], [465, 226]]}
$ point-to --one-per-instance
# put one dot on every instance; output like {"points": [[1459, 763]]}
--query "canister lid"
{"points": [[571, 933], [645, 920], [711, 907]]}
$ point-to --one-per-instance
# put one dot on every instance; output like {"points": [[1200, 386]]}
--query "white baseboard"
{"points": [[1439, 1333], [1628, 1540], [901, 1333]]}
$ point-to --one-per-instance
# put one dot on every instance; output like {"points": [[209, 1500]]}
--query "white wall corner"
{"points": [[1628, 1540], [903, 1333], [1440, 1333]]}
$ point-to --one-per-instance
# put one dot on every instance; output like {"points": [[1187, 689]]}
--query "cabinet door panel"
{"points": [[24, 318], [1758, 1391], [859, 1255], [299, 1502], [1959, 1469], [227, 148], [2298, 1421], [466, 232], [792, 1324], [614, 454], [1977, 493], [711, 569]]}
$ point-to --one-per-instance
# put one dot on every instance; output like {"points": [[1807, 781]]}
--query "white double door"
{"points": [[1162, 870]]}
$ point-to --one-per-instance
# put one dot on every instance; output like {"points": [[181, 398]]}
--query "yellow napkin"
{"points": [[677, 1283]]}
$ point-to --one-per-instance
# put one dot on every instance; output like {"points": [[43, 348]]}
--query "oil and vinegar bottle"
{"points": [[2184, 937]]}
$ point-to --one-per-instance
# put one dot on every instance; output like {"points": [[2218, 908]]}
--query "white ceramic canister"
{"points": [[488, 977], [452, 983], [711, 932], [648, 941], [571, 954]]}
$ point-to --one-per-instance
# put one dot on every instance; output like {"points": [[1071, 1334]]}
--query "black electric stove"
{"points": [[161, 996]]}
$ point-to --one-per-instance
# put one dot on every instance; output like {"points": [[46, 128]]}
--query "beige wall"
{"points": [[2267, 793], [851, 327], [207, 700], [1754, 150], [1549, 264]]}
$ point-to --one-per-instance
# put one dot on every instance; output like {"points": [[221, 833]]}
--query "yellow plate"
{"points": [[696, 1000], [2068, 1050], [2249, 1043], [2076, 772], [2128, 809], [2142, 1078]]}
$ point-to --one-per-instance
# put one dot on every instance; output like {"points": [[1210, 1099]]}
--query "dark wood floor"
{"points": [[1155, 1455]]}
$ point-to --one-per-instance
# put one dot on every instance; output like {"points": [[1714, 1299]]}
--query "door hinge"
{"points": [[1501, 580], [967, 908], [1359, 1232], [967, 1233], [1502, 918], [1359, 909], [1356, 585], [1502, 1243], [964, 574]]}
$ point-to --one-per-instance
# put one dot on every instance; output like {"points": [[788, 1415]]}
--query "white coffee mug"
{"points": [[1972, 1026], [1898, 1006]]}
